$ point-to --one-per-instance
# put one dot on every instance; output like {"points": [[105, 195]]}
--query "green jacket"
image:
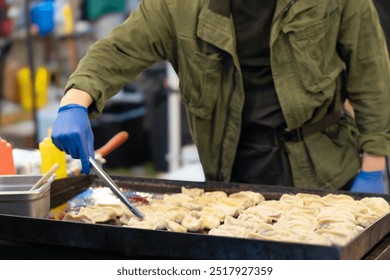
{"points": [[313, 43]]}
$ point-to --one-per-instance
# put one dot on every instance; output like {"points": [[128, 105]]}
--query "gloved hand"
{"points": [[369, 182], [72, 133]]}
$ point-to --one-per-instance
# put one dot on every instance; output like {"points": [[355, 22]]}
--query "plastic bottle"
{"points": [[63, 17], [7, 166], [51, 155], [42, 80], [42, 14]]}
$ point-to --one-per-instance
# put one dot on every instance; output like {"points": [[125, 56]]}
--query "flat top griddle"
{"points": [[126, 242]]}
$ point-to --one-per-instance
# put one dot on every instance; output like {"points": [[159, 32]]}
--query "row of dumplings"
{"points": [[307, 218]]}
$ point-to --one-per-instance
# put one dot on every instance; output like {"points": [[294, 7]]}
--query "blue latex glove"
{"points": [[73, 134], [369, 182]]}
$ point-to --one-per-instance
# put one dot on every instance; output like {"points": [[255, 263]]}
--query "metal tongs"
{"points": [[114, 188]]}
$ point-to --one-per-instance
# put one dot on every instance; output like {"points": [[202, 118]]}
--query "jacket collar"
{"points": [[216, 25]]}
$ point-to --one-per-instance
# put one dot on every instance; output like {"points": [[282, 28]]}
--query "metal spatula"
{"points": [[114, 188]]}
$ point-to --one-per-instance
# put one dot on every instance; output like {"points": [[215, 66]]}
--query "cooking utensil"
{"points": [[45, 177], [114, 188], [117, 140], [74, 166]]}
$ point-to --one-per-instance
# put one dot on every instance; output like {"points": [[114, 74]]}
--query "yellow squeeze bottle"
{"points": [[41, 83], [51, 155]]}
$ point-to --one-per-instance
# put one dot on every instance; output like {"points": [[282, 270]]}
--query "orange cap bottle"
{"points": [[7, 166]]}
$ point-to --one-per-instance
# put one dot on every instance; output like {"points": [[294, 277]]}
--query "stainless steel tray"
{"points": [[17, 199]]}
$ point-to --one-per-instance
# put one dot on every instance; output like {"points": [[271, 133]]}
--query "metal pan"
{"points": [[16, 198], [141, 243]]}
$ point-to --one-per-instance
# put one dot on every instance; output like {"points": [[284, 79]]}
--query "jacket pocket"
{"points": [[200, 81], [334, 153], [312, 37]]}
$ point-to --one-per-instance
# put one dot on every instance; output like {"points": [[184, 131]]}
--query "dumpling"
{"points": [[209, 221], [226, 209], [193, 192], [216, 195], [191, 223], [72, 217], [308, 197], [177, 198], [264, 210], [236, 202], [235, 230], [254, 197], [366, 219], [377, 204], [99, 214], [245, 224], [173, 226], [336, 237], [332, 199], [336, 213], [258, 218], [221, 232], [210, 211], [291, 199]]}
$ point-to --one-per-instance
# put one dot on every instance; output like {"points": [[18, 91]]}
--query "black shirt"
{"points": [[252, 21], [259, 158], [383, 7]]}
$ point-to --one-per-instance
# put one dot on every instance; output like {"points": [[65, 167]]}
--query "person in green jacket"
{"points": [[263, 83]]}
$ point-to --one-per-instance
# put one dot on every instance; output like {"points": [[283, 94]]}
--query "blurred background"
{"points": [[41, 43], [50, 37]]}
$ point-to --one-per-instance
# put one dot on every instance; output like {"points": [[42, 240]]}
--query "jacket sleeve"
{"points": [[143, 39], [362, 45]]}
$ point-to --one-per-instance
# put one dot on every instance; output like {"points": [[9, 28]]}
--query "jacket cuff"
{"points": [[93, 88], [376, 144]]}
